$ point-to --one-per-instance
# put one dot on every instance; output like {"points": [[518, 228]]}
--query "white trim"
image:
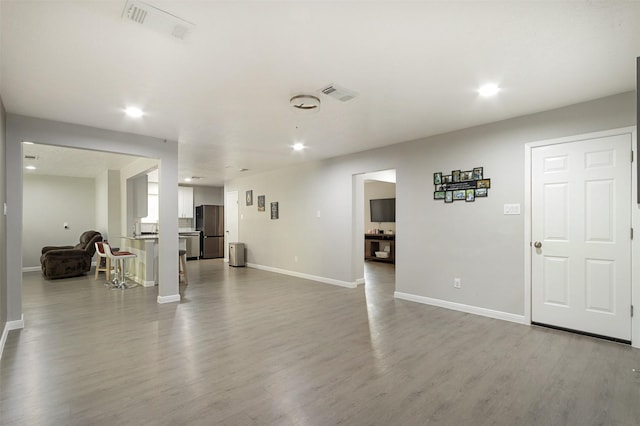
{"points": [[305, 276], [169, 299], [635, 250], [505, 316], [359, 281], [10, 325], [148, 283], [635, 216]]}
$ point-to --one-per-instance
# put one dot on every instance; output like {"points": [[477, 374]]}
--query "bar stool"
{"points": [[119, 281], [182, 267]]}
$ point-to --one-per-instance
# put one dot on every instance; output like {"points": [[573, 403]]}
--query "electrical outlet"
{"points": [[457, 283]]}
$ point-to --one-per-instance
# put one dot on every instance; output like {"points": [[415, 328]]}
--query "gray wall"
{"points": [[435, 241], [108, 205], [374, 190], [208, 195], [3, 224], [66, 199]]}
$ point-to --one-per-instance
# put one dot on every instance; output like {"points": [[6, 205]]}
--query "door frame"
{"points": [[227, 222], [635, 220]]}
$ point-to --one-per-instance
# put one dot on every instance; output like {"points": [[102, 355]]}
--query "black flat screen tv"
{"points": [[383, 210]]}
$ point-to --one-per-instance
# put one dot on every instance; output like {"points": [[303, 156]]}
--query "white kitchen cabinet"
{"points": [[185, 202]]}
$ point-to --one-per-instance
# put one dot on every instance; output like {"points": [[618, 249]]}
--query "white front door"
{"points": [[230, 221], [581, 226]]}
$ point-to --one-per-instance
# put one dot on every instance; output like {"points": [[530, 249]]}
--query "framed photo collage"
{"points": [[461, 185]]}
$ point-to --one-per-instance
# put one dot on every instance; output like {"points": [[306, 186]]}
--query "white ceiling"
{"points": [[223, 93]]}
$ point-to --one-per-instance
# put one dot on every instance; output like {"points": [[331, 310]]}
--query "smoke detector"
{"points": [[156, 19], [305, 103], [339, 93]]}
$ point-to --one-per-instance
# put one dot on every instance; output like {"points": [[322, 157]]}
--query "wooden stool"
{"points": [[103, 263], [182, 267]]}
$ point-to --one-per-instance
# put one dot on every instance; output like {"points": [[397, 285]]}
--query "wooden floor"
{"points": [[248, 347]]}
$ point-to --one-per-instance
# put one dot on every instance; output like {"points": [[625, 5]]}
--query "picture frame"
{"points": [[484, 183], [481, 192], [439, 195], [447, 179], [448, 197], [470, 195], [275, 210], [249, 197], [261, 203], [437, 178], [477, 173], [455, 175], [459, 194], [466, 176]]}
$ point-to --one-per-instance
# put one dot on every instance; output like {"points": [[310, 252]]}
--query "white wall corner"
{"points": [[10, 325], [332, 281], [490, 313], [169, 299]]}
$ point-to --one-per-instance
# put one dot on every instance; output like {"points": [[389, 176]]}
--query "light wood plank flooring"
{"points": [[249, 347]]}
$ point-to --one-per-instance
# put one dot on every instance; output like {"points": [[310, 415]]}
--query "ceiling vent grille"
{"points": [[156, 19], [30, 157], [339, 93]]}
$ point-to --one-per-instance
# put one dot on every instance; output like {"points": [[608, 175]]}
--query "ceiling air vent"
{"points": [[156, 19], [30, 157], [339, 93]]}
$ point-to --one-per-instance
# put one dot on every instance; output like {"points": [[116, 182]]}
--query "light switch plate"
{"points": [[512, 209]]}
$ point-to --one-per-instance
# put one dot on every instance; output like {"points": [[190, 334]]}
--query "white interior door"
{"points": [[581, 226], [230, 220]]}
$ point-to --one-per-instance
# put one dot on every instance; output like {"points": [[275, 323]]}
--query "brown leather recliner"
{"points": [[70, 261]]}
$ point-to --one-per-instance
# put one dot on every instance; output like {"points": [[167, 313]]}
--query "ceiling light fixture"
{"points": [[488, 90], [30, 167], [299, 146], [305, 103], [134, 112], [187, 179]]}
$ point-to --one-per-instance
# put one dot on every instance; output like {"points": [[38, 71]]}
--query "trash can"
{"points": [[236, 254]]}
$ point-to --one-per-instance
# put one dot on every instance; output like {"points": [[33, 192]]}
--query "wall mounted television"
{"points": [[383, 210]]}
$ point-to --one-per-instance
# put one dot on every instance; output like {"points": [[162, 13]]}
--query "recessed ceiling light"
{"points": [[134, 112], [489, 90], [187, 179], [30, 167], [298, 146]]}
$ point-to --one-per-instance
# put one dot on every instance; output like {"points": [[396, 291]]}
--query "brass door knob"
{"points": [[537, 244]]}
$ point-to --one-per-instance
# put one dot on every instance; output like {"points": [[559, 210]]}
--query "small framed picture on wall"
{"points": [[437, 178]]}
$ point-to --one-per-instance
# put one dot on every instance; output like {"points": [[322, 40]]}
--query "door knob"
{"points": [[537, 244]]}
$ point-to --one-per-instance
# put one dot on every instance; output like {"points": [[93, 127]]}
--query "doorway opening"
{"points": [[375, 225]]}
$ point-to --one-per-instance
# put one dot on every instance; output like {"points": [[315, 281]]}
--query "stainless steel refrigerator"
{"points": [[210, 223]]}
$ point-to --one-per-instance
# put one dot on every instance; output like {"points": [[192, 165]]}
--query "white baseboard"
{"points": [[147, 283], [169, 299], [10, 325], [505, 316], [359, 281], [305, 276]]}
